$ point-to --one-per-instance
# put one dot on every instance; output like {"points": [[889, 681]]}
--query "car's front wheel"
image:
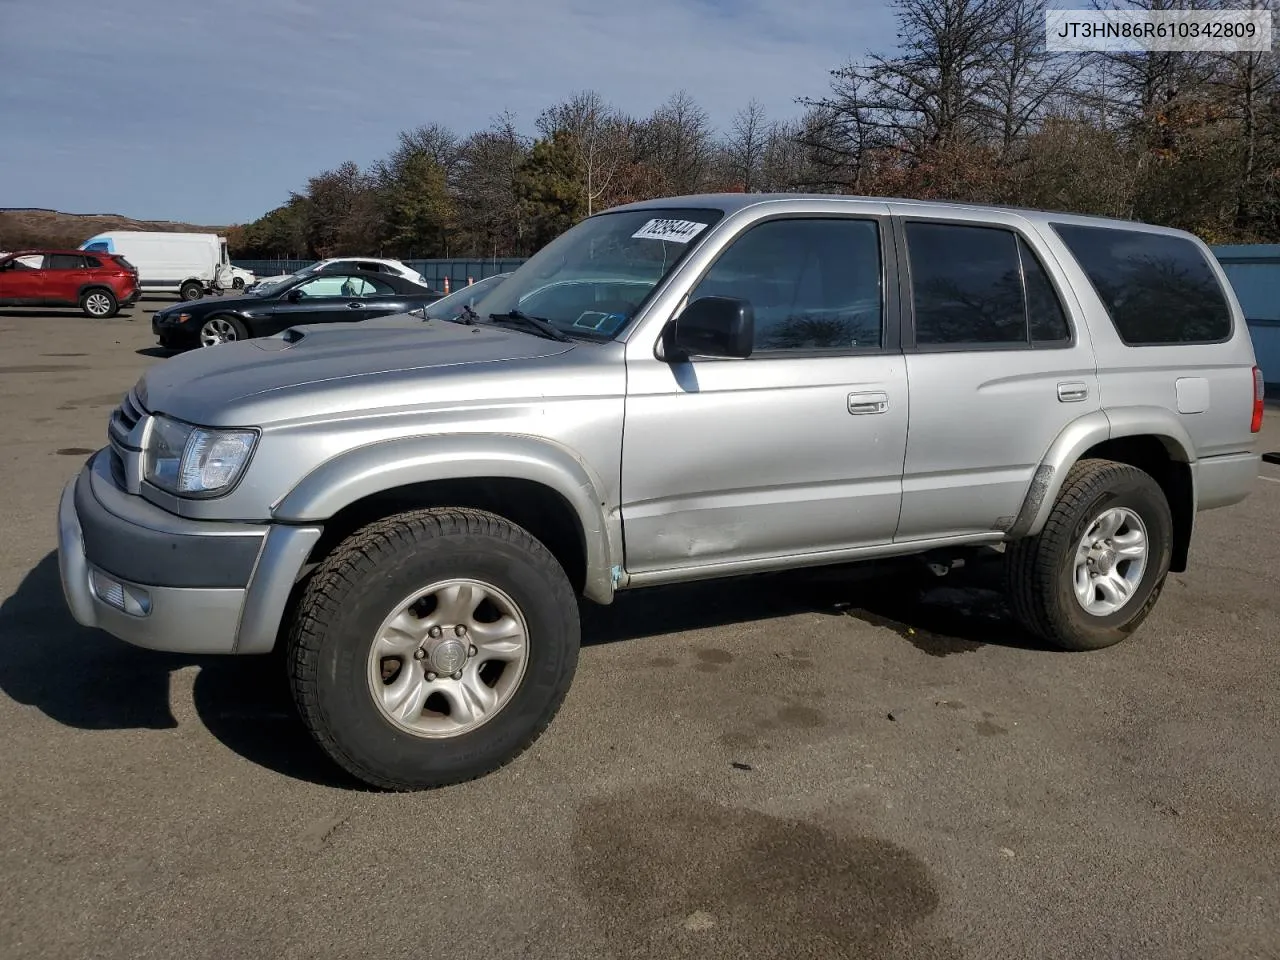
{"points": [[433, 647], [191, 290], [1094, 573], [222, 329], [237, 283]]}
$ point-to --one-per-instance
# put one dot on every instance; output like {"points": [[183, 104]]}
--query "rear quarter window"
{"points": [[1158, 289]]}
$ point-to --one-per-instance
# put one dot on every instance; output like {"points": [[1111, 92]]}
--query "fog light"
{"points": [[132, 600]]}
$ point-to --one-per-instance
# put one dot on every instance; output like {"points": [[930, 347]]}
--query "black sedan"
{"points": [[328, 297]]}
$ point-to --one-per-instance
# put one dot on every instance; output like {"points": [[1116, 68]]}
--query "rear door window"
{"points": [[981, 287], [63, 261], [1157, 289]]}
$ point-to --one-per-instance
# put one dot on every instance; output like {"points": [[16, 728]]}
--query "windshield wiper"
{"points": [[536, 324]]}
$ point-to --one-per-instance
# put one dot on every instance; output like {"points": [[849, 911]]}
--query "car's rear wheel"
{"points": [[433, 647], [222, 329], [191, 290], [237, 283], [99, 304], [1094, 573]]}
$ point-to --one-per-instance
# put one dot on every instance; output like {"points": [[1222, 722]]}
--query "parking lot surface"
{"points": [[830, 764]]}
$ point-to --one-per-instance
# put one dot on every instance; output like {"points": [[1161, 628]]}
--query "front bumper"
{"points": [[169, 583]]}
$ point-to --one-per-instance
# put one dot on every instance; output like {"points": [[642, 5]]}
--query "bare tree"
{"points": [[1246, 84], [678, 142], [599, 134], [489, 214], [746, 146], [1024, 79]]}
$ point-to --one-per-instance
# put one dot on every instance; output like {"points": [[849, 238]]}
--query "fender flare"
{"points": [[377, 467], [1085, 432]]}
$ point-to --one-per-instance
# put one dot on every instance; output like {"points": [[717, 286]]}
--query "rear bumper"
{"points": [[168, 583], [1223, 481]]}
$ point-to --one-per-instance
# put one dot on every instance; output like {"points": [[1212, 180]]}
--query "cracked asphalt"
{"points": [[845, 763]]}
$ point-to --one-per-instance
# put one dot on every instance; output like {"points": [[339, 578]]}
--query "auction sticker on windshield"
{"points": [[677, 231]]}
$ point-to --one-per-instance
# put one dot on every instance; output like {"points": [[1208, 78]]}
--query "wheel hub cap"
{"points": [[1111, 559], [448, 656]]}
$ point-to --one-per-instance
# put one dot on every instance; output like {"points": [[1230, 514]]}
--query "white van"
{"points": [[187, 264]]}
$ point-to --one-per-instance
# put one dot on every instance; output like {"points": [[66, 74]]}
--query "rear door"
{"points": [[64, 273], [332, 298], [999, 361], [22, 280]]}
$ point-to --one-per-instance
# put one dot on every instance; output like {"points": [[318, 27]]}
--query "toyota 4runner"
{"points": [[672, 390]]}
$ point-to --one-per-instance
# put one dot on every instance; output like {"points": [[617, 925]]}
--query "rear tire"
{"points": [[99, 304], [1080, 584], [237, 283], [191, 290], [362, 649]]}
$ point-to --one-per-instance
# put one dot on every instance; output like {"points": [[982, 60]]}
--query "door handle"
{"points": [[355, 305], [1073, 391], [864, 403]]}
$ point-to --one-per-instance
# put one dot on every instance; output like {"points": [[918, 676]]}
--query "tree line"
{"points": [[969, 107]]}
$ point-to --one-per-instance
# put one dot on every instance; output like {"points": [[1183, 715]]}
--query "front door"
{"points": [[22, 279], [795, 450], [332, 298], [997, 370]]}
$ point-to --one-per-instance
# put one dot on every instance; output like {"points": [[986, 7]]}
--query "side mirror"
{"points": [[294, 295], [711, 327]]}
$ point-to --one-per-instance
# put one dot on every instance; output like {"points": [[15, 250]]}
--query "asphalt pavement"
{"points": [[833, 764]]}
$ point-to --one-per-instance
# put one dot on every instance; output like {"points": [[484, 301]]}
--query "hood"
{"points": [[322, 365], [209, 304]]}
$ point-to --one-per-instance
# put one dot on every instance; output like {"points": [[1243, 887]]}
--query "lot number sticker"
{"points": [[677, 231]]}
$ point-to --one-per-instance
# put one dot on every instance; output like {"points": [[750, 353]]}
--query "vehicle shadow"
{"points": [[85, 679], [162, 353], [69, 313], [940, 616]]}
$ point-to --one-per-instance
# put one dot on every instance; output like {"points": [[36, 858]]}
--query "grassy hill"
{"points": [[33, 227]]}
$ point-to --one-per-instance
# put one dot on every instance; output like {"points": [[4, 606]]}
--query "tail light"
{"points": [[1259, 398]]}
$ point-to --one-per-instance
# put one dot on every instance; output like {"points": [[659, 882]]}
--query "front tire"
{"points": [[222, 328], [99, 304], [191, 290], [433, 647], [1094, 573], [237, 283]]}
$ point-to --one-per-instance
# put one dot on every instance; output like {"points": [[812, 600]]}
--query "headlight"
{"points": [[195, 461]]}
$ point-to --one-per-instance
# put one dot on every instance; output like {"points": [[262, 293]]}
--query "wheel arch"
{"points": [[532, 482], [1149, 438], [90, 285]]}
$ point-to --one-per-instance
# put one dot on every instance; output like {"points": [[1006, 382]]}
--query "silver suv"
{"points": [[673, 390]]}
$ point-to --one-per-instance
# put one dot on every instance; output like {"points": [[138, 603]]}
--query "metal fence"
{"points": [[458, 272]]}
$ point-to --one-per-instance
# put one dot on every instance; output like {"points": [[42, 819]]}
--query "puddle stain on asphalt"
{"points": [[41, 367], [795, 717], [105, 400], [711, 660], [674, 875]]}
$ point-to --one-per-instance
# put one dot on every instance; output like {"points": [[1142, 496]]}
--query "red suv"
{"points": [[98, 283]]}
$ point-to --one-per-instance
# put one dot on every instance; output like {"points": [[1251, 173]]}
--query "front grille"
{"points": [[123, 419]]}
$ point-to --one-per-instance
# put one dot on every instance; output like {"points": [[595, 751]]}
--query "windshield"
{"points": [[268, 287], [591, 281], [447, 308]]}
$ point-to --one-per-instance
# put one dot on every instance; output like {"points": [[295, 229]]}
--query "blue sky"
{"points": [[213, 110]]}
